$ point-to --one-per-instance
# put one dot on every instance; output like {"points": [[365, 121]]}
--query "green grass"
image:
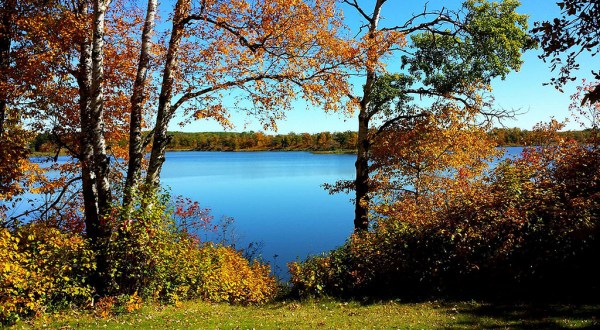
{"points": [[328, 314]]}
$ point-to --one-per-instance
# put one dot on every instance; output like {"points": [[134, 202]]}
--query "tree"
{"points": [[18, 46], [12, 149], [417, 157], [269, 52], [447, 55], [575, 32]]}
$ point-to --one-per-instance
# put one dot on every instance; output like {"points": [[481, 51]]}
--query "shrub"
{"points": [[158, 257], [42, 268], [152, 253], [231, 278], [529, 229]]}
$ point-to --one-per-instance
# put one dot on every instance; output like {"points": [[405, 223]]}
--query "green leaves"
{"points": [[484, 44]]}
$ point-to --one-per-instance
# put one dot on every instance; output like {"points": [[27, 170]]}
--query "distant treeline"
{"points": [[324, 141], [327, 141], [515, 137], [226, 141]]}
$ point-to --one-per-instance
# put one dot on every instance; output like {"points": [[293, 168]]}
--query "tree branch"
{"points": [[54, 203], [390, 122], [224, 25], [354, 4]]}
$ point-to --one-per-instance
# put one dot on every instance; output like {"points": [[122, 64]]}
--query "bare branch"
{"points": [[226, 26], [188, 96], [354, 4], [53, 205], [440, 17], [390, 122]]}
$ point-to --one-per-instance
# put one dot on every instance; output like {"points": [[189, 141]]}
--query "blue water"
{"points": [[275, 198]]}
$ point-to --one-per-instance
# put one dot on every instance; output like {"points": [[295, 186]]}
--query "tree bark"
{"points": [[165, 113], [86, 152], [361, 209], [97, 140], [7, 9], [361, 182], [137, 104]]}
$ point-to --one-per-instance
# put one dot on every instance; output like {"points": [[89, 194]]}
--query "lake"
{"points": [[275, 198]]}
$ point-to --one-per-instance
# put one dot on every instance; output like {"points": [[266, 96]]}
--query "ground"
{"points": [[331, 314]]}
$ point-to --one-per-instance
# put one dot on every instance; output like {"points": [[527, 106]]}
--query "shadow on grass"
{"points": [[529, 316]]}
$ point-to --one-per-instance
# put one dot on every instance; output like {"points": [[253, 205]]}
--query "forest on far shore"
{"points": [[323, 141]]}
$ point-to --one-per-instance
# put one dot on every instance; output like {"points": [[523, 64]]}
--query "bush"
{"points": [[529, 229], [152, 254], [42, 268], [231, 278]]}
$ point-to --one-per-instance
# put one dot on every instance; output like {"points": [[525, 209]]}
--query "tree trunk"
{"points": [[137, 104], [361, 182], [165, 113], [101, 159], [361, 209], [7, 9], [84, 80]]}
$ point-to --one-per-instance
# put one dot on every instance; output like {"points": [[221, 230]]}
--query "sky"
{"points": [[523, 91]]}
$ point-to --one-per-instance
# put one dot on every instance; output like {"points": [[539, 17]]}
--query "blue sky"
{"points": [[523, 90]]}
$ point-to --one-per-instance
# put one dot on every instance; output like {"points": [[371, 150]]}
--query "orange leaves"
{"points": [[379, 44], [216, 112], [269, 52], [433, 155]]}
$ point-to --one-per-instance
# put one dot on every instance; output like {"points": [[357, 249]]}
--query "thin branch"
{"points": [[61, 144], [442, 17], [354, 4], [231, 29], [188, 96], [54, 203], [390, 122], [431, 92]]}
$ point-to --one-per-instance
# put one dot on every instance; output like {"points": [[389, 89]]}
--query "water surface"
{"points": [[275, 198]]}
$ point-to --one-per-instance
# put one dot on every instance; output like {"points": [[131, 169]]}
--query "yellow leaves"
{"points": [[232, 278], [38, 269]]}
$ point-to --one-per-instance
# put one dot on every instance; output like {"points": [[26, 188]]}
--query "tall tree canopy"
{"points": [[448, 58], [110, 76]]}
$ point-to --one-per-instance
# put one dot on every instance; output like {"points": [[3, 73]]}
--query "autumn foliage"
{"points": [[104, 84], [529, 228], [42, 269], [155, 256]]}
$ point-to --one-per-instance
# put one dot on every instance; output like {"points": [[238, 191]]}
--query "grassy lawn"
{"points": [[326, 314]]}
